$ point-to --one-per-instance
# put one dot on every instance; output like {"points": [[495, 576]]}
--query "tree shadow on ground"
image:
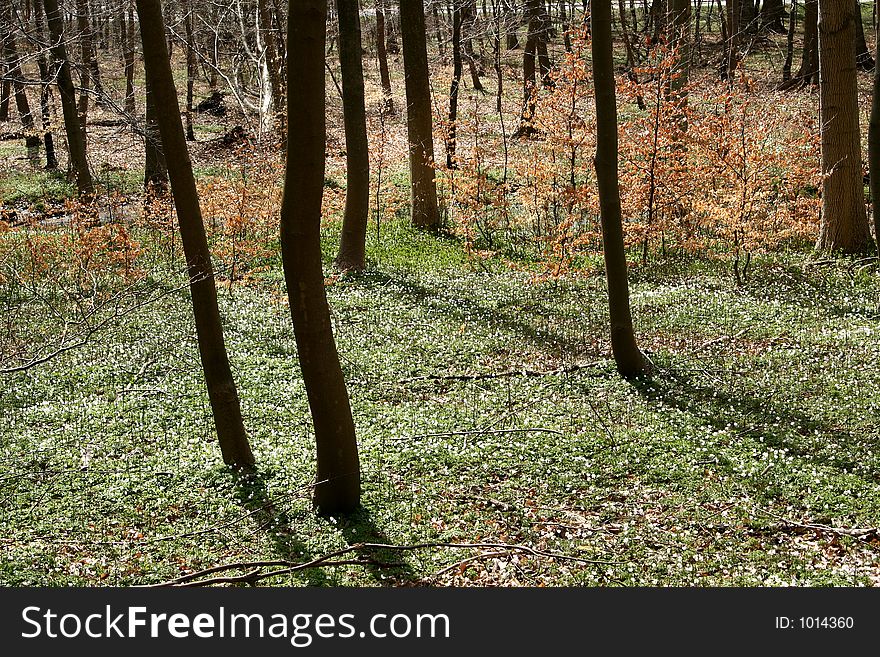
{"points": [[274, 521], [778, 426], [391, 567], [387, 567]]}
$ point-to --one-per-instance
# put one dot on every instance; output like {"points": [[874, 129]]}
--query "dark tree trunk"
{"points": [[338, 467], [275, 65], [209, 330], [191, 70], [419, 122], [76, 144], [844, 224], [127, 42], [84, 27], [789, 45], [453, 89], [808, 73], [13, 70], [468, 26], [874, 149], [530, 54], [382, 55], [46, 77], [864, 60], [352, 245], [629, 359], [155, 167], [772, 15]]}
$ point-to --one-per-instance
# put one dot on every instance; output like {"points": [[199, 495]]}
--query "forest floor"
{"points": [[488, 412], [494, 430]]}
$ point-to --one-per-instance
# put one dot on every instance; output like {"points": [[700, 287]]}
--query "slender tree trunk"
{"points": [[679, 23], [191, 69], [453, 89], [46, 77], [789, 45], [382, 55], [155, 167], [808, 73], [468, 26], [13, 70], [864, 60], [209, 329], [874, 149], [127, 42], [338, 466], [844, 224], [530, 54], [76, 144], [419, 122], [84, 27], [352, 245], [629, 359], [274, 64]]}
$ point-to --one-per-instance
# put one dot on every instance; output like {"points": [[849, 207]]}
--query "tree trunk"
{"points": [[629, 359], [46, 76], [530, 54], [789, 44], [338, 466], [772, 15], [76, 144], [864, 60], [808, 73], [209, 330], [13, 70], [419, 122], [127, 39], [382, 55], [84, 27], [453, 88], [874, 149], [679, 23], [274, 64], [352, 245], [468, 26], [844, 220], [155, 167]]}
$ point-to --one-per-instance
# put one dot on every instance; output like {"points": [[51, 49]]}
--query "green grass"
{"points": [[37, 189], [763, 416]]}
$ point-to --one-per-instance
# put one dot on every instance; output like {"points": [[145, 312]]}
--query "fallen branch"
{"points": [[723, 338], [864, 533], [502, 375], [331, 559]]}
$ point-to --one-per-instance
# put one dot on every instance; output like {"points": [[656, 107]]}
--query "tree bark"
{"points": [[155, 167], [338, 466], [84, 28], [874, 149], [352, 243], [808, 73], [772, 15], [453, 87], [127, 42], [76, 144], [864, 60], [209, 330], [13, 70], [844, 226], [46, 76], [419, 121], [382, 56], [629, 359]]}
